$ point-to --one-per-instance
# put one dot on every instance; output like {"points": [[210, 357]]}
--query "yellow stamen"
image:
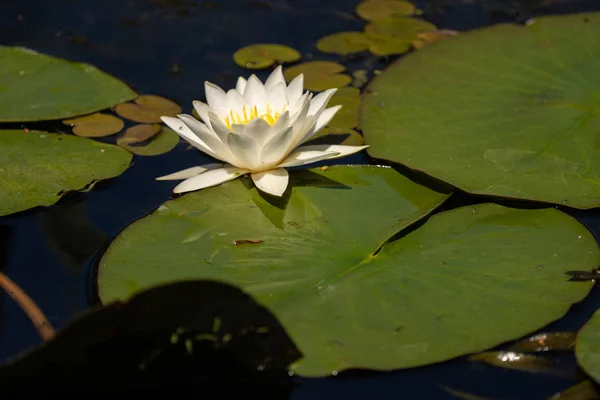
{"points": [[270, 116]]}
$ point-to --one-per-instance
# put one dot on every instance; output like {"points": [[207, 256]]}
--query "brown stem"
{"points": [[34, 313]]}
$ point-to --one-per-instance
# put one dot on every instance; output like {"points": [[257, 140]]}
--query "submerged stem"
{"points": [[34, 313]]}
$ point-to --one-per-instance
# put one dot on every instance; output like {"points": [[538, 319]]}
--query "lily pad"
{"points": [[263, 55], [163, 142], [37, 168], [313, 260], [347, 117], [371, 10], [319, 75], [426, 38], [398, 28], [343, 43], [95, 125], [37, 87], [587, 347], [523, 126], [138, 133], [148, 108]]}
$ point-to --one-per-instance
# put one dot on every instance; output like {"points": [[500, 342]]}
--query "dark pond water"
{"points": [[50, 252]]}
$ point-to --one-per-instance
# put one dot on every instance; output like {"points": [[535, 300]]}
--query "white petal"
{"points": [[240, 85], [202, 109], [189, 172], [323, 119], [276, 98], [276, 148], [259, 130], [254, 92], [298, 157], [273, 182], [182, 130], [294, 89], [282, 123], [336, 148], [245, 149], [219, 127], [235, 101], [275, 79], [215, 96], [209, 178], [319, 102], [297, 107], [209, 137]]}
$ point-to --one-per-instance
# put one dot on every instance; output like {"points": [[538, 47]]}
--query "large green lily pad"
{"points": [[508, 110], [432, 295], [37, 87], [37, 168], [587, 347]]}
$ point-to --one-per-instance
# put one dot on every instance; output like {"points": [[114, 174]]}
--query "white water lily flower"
{"points": [[256, 129]]}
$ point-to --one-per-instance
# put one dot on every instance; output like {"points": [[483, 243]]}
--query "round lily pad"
{"points": [[263, 55], [425, 38], [347, 117], [37, 168], [163, 142], [371, 10], [148, 108], [319, 75], [380, 46], [138, 133], [37, 87], [523, 126], [314, 261], [95, 125], [587, 347], [398, 28], [343, 43]]}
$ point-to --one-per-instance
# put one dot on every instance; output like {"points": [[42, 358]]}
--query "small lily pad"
{"points": [[319, 75], [398, 28], [425, 38], [343, 43], [387, 46], [347, 117], [95, 125], [138, 133], [37, 168], [372, 10], [163, 142], [148, 108], [263, 55], [39, 87], [346, 137]]}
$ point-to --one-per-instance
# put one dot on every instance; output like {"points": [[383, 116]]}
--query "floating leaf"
{"points": [[319, 75], [138, 133], [584, 390], [343, 43], [37, 87], [426, 38], [552, 341], [348, 137], [148, 108], [371, 10], [398, 28], [587, 347], [360, 77], [163, 142], [171, 333], [37, 168], [347, 117], [389, 46], [431, 295], [523, 126], [519, 362], [95, 125], [262, 55]]}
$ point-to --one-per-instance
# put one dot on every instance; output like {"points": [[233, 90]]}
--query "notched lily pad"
{"points": [[324, 252], [39, 87], [37, 168], [95, 125], [371, 10], [138, 133], [148, 108], [343, 43], [319, 75], [263, 55], [161, 143]]}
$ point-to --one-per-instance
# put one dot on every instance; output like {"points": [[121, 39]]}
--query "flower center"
{"points": [[249, 113]]}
